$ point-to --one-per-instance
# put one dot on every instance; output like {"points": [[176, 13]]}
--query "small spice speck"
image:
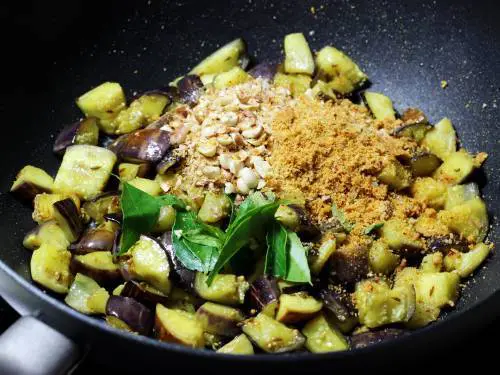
{"points": [[313, 10]]}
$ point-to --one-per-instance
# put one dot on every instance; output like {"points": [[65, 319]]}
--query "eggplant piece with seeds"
{"points": [[264, 295], [101, 238], [146, 145], [265, 70], [219, 319], [83, 132], [143, 292], [31, 181], [365, 339], [181, 275], [67, 216], [190, 89], [97, 265], [137, 316]]}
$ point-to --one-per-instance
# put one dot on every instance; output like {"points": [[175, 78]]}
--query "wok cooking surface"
{"points": [[407, 49]]}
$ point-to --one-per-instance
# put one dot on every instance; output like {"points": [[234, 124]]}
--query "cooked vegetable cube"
{"points": [[147, 261], [84, 132], [424, 164], [429, 191], [456, 167], [84, 171], [298, 56], [432, 262], [415, 131], [134, 314], [322, 255], [129, 171], [395, 175], [50, 267], [322, 337], [178, 327], [470, 219], [458, 194], [49, 233], [337, 303], [180, 275], [297, 307], [401, 236], [97, 265], [441, 140], [336, 68], [166, 219], [349, 263], [295, 218], [296, 83], [324, 90], [271, 335], [104, 204], [67, 216], [437, 289], [379, 105], [219, 319], [143, 293], [146, 185], [239, 345], [101, 238], [232, 77], [382, 259], [466, 263], [228, 56], [104, 102], [215, 207], [31, 181], [44, 205], [142, 146], [227, 289], [86, 296], [118, 290], [264, 295]]}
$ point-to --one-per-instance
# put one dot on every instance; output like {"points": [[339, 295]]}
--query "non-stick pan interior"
{"points": [[407, 48]]}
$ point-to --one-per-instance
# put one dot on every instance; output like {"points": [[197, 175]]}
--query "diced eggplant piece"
{"points": [[146, 145], [31, 181], [118, 324], [166, 219], [129, 171], [84, 171], [400, 236], [179, 299], [225, 288], [339, 70], [265, 70], [190, 89], [219, 319], [232, 77], [382, 260], [264, 295], [240, 345], [291, 287], [432, 262], [415, 131], [67, 216], [296, 219], [97, 265], [49, 233], [459, 194], [321, 256], [379, 305], [44, 205], [456, 167], [466, 263], [469, 220], [445, 244], [50, 268], [228, 56], [349, 263], [118, 290], [101, 238], [83, 132], [298, 56], [271, 335], [325, 90], [379, 105], [170, 160], [365, 339], [424, 164], [181, 275], [296, 83], [147, 261], [322, 337], [337, 302], [394, 174], [298, 307], [104, 102], [215, 207], [86, 296], [104, 204], [143, 293], [441, 140], [137, 316], [429, 191], [178, 327], [146, 185], [414, 116]]}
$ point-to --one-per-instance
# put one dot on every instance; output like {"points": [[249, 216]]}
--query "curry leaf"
{"points": [[297, 267], [372, 228], [340, 216], [276, 256], [171, 200]]}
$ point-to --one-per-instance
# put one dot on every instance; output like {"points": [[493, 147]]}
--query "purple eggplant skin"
{"points": [[307, 231], [446, 243], [137, 316], [68, 217], [69, 134], [338, 302], [349, 264], [102, 276], [139, 292], [180, 275], [94, 239], [145, 145], [263, 291], [363, 340], [27, 191], [190, 89], [265, 70]]}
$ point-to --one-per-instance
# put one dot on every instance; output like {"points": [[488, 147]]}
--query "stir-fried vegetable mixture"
{"points": [[257, 210]]}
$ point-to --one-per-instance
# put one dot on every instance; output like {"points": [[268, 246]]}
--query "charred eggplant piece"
{"points": [[67, 216], [137, 316], [265, 70], [101, 238], [31, 181], [190, 89], [298, 307], [104, 204], [264, 295], [84, 132], [178, 327], [46, 233], [219, 319], [97, 265], [180, 275], [424, 164], [365, 339], [145, 145], [143, 292]]}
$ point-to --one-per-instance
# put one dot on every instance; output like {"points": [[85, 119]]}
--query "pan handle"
{"points": [[31, 347]]}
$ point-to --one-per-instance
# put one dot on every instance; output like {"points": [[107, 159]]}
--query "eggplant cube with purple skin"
{"points": [[31, 181]]}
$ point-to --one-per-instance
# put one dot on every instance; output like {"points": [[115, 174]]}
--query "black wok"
{"points": [[54, 52]]}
